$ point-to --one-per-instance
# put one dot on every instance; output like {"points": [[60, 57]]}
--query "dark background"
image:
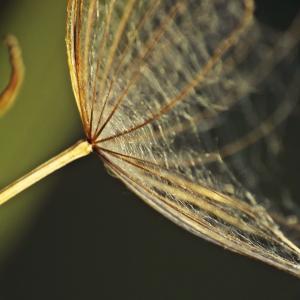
{"points": [[93, 239]]}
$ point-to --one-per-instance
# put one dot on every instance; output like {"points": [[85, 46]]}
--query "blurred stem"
{"points": [[80, 149], [8, 96]]}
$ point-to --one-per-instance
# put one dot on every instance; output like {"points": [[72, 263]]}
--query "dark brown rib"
{"points": [[91, 15], [116, 41], [78, 28], [100, 53]]}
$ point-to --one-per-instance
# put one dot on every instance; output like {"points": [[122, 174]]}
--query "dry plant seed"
{"points": [[8, 96], [160, 87]]}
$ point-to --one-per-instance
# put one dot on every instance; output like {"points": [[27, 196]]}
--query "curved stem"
{"points": [[7, 97], [80, 149]]}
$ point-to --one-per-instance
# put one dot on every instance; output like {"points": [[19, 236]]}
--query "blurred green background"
{"points": [[80, 234], [44, 118]]}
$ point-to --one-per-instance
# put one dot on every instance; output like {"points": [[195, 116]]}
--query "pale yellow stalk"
{"points": [[80, 149]]}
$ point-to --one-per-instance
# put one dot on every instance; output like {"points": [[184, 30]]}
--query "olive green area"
{"points": [[44, 119]]}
